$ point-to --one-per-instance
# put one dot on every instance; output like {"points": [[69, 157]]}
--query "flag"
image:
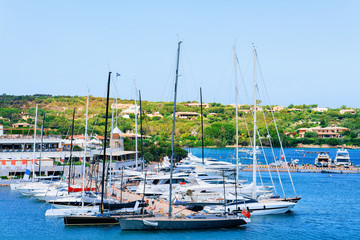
{"points": [[27, 174], [13, 164], [3, 167], [24, 163], [246, 213], [118, 74]]}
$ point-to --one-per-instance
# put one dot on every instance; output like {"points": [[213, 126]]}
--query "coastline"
{"points": [[300, 145]]}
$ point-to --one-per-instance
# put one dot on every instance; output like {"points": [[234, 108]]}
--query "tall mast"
{"points": [[254, 137], [202, 127], [41, 144], [173, 129], [237, 128], [141, 131], [71, 147], [104, 156], [85, 147], [136, 141], [34, 154]]}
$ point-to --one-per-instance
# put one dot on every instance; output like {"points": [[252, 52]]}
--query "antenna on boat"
{"points": [[141, 135], [34, 155], [41, 143], [85, 147], [104, 156], [202, 127], [254, 137], [173, 128], [237, 129], [71, 147], [136, 138]]}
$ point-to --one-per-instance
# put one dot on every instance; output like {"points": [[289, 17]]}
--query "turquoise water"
{"points": [[329, 209]]}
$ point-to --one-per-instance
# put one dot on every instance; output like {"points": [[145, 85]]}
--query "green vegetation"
{"points": [[219, 122]]}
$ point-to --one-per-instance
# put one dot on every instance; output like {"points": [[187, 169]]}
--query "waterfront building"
{"points": [[327, 132]]}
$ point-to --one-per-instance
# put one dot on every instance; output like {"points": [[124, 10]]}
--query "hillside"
{"points": [[219, 120]]}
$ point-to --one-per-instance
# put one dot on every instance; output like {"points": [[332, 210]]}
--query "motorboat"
{"points": [[342, 158], [323, 160]]}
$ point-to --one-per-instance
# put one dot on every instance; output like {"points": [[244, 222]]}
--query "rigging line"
{"points": [[194, 82], [97, 117], [168, 80], [242, 78], [277, 131], [222, 79], [273, 154], [247, 95], [266, 161]]}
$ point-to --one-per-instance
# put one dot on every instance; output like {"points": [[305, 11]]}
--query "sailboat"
{"points": [[171, 223], [266, 205]]}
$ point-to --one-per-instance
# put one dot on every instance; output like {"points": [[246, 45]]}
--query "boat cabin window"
{"points": [[156, 181]]}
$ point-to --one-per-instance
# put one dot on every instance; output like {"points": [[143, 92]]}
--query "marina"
{"points": [[308, 220], [179, 120]]}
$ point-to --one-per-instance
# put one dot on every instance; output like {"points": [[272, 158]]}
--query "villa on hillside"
{"points": [[21, 125], [258, 108], [319, 109], [296, 109], [327, 132], [187, 115], [195, 104], [351, 111], [155, 114], [278, 108]]}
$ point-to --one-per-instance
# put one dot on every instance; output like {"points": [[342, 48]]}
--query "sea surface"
{"points": [[329, 209]]}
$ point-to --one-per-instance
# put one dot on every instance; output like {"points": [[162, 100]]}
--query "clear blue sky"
{"points": [[309, 50]]}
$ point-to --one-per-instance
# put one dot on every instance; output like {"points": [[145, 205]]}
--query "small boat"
{"points": [[342, 158]]}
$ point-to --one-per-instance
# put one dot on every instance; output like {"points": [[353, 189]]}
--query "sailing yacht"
{"points": [[180, 223], [259, 205]]}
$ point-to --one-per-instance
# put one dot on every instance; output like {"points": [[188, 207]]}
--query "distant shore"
{"points": [[300, 145]]}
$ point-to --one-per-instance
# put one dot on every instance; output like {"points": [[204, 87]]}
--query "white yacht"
{"points": [[342, 158], [323, 160], [255, 207]]}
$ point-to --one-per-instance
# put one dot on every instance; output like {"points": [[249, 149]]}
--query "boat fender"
{"points": [[151, 224]]}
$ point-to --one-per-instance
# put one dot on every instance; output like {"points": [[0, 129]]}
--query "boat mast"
{"points": [[34, 154], [202, 127], [237, 129], [104, 156], [71, 147], [85, 147], [173, 128], [41, 144], [254, 137], [136, 141], [141, 131]]}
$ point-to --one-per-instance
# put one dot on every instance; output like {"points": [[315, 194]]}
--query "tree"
{"points": [[310, 135], [224, 132]]}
